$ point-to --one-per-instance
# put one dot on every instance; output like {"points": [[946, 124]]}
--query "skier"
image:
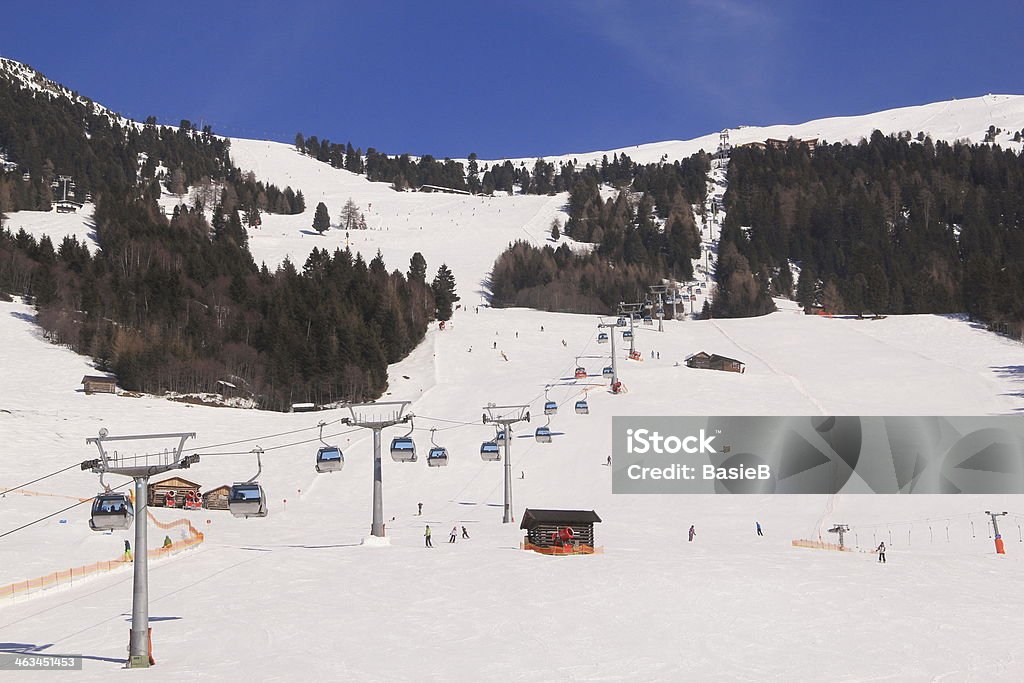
{"points": [[495, 345], [659, 355], [609, 462], [522, 474], [128, 551], [652, 354], [759, 533], [420, 506], [541, 328], [167, 541], [465, 534], [455, 532], [563, 343], [881, 552], [693, 532], [426, 537]]}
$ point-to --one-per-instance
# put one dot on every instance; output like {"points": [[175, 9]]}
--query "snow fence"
{"points": [[68, 577]]}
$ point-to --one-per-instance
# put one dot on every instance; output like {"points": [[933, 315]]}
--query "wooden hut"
{"points": [[559, 532], [712, 361], [175, 487], [98, 384], [217, 499]]}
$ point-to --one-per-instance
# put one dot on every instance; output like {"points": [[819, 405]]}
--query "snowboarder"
{"points": [[420, 509], [167, 542], [465, 534], [693, 532], [455, 532], [128, 551], [759, 532], [881, 552], [426, 537]]}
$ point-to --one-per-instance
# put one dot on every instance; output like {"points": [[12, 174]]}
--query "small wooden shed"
{"points": [[99, 384], [159, 492], [546, 531], [712, 361], [216, 499]]}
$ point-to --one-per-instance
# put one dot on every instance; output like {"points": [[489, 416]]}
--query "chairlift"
{"points": [[582, 408], [608, 371], [437, 456], [602, 338], [111, 512], [246, 498], [489, 451], [581, 372], [329, 458]]}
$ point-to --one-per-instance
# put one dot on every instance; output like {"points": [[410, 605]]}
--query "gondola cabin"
{"points": [[329, 459], [111, 512], [403, 449], [437, 456], [648, 321], [550, 408], [489, 451], [247, 499], [608, 371], [602, 338], [582, 408], [581, 372], [543, 435], [621, 322], [559, 532], [499, 438], [628, 334]]}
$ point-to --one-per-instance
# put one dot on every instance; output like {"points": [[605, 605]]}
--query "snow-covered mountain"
{"points": [[295, 595], [967, 119]]}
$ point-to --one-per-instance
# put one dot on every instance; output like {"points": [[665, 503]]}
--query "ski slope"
{"points": [[727, 606], [296, 595]]}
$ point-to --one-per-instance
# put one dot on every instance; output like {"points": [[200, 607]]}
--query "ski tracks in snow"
{"points": [[797, 384]]}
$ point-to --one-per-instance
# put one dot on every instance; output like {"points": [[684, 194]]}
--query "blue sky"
{"points": [[516, 78]]}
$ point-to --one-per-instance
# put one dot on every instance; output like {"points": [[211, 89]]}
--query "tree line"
{"points": [[889, 225]]}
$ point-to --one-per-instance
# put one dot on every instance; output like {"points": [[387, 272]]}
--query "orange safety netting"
{"points": [[195, 537], [820, 545]]}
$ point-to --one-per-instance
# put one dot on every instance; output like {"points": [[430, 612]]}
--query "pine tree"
{"points": [[321, 219], [417, 268], [444, 292], [556, 233]]}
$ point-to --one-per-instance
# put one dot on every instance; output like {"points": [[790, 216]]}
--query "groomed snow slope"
{"points": [[309, 601]]}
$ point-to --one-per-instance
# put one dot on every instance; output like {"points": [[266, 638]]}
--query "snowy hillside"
{"points": [[474, 596], [967, 119], [296, 595]]}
